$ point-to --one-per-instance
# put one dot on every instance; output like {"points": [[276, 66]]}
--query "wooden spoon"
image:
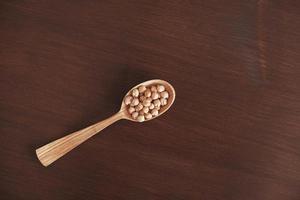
{"points": [[49, 153]]}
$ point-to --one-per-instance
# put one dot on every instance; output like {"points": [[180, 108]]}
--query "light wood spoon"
{"points": [[49, 153]]}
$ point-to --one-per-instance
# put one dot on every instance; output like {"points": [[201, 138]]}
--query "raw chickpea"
{"points": [[141, 112], [146, 109], [154, 112], [142, 98], [154, 95], [142, 89], [148, 116], [134, 115], [147, 102], [139, 107], [128, 100], [160, 88], [153, 89], [141, 118], [131, 110], [135, 102], [163, 101], [164, 95], [158, 108], [135, 92], [157, 103], [151, 106], [147, 93]]}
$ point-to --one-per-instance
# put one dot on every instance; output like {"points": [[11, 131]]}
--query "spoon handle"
{"points": [[49, 153]]}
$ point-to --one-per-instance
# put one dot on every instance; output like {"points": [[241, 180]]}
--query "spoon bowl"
{"points": [[52, 151], [169, 88]]}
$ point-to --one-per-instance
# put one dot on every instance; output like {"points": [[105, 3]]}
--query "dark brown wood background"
{"points": [[233, 132]]}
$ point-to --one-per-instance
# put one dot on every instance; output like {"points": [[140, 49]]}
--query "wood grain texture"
{"points": [[234, 130], [52, 151]]}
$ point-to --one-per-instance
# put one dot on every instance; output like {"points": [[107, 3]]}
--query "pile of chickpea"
{"points": [[144, 103]]}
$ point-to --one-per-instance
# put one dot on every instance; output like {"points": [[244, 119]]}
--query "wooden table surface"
{"points": [[233, 132]]}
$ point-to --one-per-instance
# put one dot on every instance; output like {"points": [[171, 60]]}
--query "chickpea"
{"points": [[134, 115], [142, 89], [163, 101], [148, 116], [160, 88], [142, 98], [154, 95], [149, 99], [151, 106], [128, 100], [141, 112], [147, 93], [139, 107], [154, 112], [135, 92], [153, 89], [135, 102], [131, 110], [146, 109], [147, 102], [157, 103], [141, 118], [164, 95]]}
